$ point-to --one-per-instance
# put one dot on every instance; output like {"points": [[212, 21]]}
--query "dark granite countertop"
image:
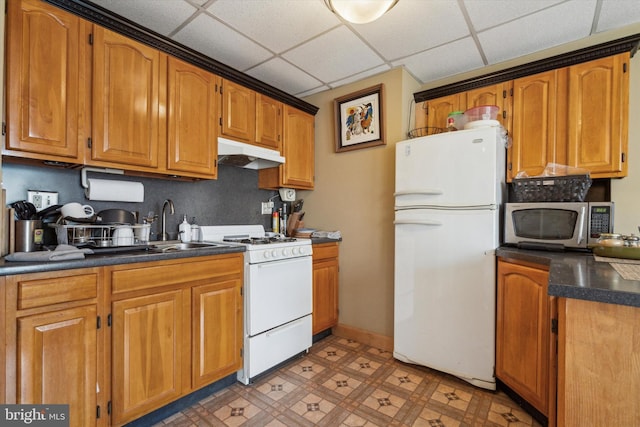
{"points": [[578, 275], [98, 260]]}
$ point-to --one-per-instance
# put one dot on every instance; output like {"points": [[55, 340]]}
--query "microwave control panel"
{"points": [[601, 220]]}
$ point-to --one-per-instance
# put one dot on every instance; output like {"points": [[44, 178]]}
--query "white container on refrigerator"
{"points": [[449, 192]]}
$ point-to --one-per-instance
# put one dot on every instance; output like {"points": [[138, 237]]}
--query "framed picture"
{"points": [[359, 119]]}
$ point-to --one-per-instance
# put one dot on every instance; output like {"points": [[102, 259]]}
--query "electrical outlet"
{"points": [[42, 199], [267, 208]]}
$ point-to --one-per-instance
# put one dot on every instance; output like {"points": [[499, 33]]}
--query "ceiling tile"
{"points": [[279, 73], [413, 26], [163, 18], [488, 13], [221, 43], [444, 61], [290, 22], [552, 28], [618, 13], [334, 55], [360, 76]]}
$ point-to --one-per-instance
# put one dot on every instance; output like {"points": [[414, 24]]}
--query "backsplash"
{"points": [[234, 198]]}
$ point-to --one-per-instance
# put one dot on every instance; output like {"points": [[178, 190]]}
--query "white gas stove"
{"points": [[277, 295]]}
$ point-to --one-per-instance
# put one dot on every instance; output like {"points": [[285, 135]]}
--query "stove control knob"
{"points": [[303, 250], [295, 251], [267, 254], [274, 253], [285, 252]]}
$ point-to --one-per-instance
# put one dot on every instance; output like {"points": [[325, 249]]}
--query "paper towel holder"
{"points": [[87, 190]]}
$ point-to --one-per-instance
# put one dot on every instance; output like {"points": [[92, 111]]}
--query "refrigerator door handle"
{"points": [[427, 192], [417, 222]]}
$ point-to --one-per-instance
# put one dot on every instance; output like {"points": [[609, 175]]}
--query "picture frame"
{"points": [[359, 119]]}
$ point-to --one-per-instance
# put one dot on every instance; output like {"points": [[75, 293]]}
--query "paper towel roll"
{"points": [[114, 191]]}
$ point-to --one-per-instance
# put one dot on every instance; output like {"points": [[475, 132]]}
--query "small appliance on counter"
{"points": [[555, 225]]}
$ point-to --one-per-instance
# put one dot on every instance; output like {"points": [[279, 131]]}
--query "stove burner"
{"points": [[260, 240]]}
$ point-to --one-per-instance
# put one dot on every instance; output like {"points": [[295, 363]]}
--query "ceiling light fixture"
{"points": [[360, 11]]}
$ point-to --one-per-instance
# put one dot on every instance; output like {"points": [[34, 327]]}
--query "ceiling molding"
{"points": [[626, 44], [112, 21]]}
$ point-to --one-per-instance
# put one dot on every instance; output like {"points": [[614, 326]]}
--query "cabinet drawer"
{"points": [[166, 273], [323, 251], [35, 292]]}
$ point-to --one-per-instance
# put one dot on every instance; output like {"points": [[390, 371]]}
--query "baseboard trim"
{"points": [[373, 339]]}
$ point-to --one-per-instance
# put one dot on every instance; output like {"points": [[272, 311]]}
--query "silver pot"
{"points": [[116, 216]]}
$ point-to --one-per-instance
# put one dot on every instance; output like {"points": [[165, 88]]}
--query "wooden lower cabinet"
{"points": [[177, 326], [525, 346], [325, 286], [133, 337], [53, 343], [147, 346], [598, 364]]}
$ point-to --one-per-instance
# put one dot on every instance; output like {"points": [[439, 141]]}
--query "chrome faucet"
{"points": [[164, 236]]}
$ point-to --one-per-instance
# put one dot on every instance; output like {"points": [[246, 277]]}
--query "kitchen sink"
{"points": [[180, 246]]}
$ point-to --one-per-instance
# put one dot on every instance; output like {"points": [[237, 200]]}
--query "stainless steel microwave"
{"points": [[557, 224]]}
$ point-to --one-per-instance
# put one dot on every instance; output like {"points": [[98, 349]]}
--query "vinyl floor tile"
{"points": [[342, 382]]}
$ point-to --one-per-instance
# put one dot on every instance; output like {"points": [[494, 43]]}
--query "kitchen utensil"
{"points": [[122, 236], [116, 216], [76, 210], [46, 212], [24, 210], [29, 235]]}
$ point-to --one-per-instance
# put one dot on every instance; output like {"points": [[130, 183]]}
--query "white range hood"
{"points": [[247, 156]]}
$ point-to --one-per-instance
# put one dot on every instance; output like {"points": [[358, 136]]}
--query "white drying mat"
{"points": [[629, 269]]}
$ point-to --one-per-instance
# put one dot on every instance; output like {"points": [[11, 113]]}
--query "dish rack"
{"points": [[99, 235]]}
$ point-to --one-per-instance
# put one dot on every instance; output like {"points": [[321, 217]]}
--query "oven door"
{"points": [[277, 292]]}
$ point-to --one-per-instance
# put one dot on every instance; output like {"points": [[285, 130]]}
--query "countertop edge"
{"points": [[8, 268], [577, 275]]}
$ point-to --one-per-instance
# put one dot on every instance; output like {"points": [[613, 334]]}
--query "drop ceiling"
{"points": [[301, 48]]}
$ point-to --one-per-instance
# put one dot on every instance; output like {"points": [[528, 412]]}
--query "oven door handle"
{"points": [[276, 263], [283, 328]]}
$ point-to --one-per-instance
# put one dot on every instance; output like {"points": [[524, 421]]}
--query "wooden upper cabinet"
{"points": [[298, 145], [498, 94], [128, 78], [598, 115], [238, 119], [537, 136], [192, 144], [268, 122], [434, 113], [44, 59]]}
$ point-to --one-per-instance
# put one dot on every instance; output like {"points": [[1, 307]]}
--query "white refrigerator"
{"points": [[448, 197]]}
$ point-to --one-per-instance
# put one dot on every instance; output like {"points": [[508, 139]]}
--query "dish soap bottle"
{"points": [[184, 230]]}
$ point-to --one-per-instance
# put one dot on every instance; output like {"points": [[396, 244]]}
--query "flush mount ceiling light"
{"points": [[360, 11]]}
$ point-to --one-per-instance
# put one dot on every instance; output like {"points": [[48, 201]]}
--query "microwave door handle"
{"points": [[581, 227]]}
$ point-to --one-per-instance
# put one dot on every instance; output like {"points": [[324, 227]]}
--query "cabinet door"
{"points": [[43, 66], [217, 331], [497, 94], [598, 115], [436, 111], [325, 287], [238, 112], [192, 131], [57, 361], [126, 96], [268, 122], [536, 135], [523, 332], [147, 344]]}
